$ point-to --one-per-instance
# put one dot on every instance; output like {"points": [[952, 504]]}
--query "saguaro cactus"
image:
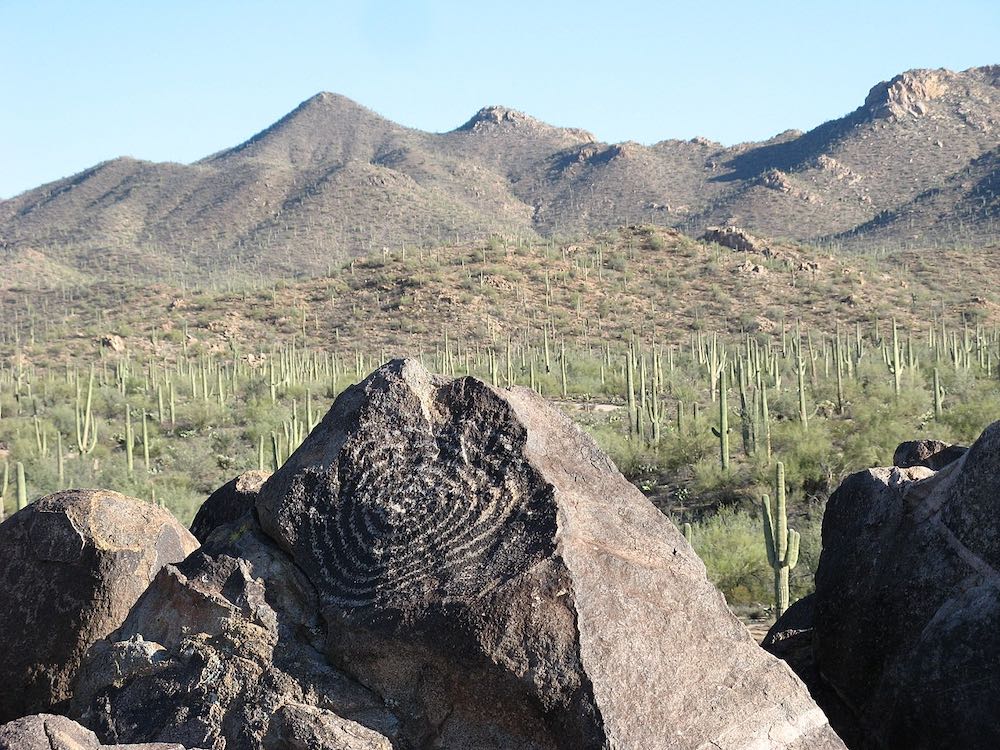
{"points": [[22, 487], [3, 488], [86, 425], [129, 440], [782, 543], [938, 396], [722, 431]]}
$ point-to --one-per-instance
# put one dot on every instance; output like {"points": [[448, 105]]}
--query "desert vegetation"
{"points": [[699, 410]]}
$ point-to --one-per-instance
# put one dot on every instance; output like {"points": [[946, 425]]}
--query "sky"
{"points": [[82, 82]]}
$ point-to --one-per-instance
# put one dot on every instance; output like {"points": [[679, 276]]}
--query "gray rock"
{"points": [[791, 640], [51, 732], [71, 566], [228, 503], [908, 601], [737, 239]]}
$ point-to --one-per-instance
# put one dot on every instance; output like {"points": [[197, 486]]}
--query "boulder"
{"points": [[908, 601], [483, 566], [51, 732], [225, 650], [228, 503], [71, 566], [444, 564], [933, 454]]}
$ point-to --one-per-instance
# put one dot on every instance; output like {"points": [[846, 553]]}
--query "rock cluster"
{"points": [[71, 567], [737, 239], [902, 645], [440, 564], [53, 732]]}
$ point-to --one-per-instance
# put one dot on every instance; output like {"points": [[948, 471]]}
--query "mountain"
{"points": [[332, 179]]}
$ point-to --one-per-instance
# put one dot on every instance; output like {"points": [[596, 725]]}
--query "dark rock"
{"points": [[908, 601], [443, 564], [71, 566], [483, 566], [932, 454], [51, 732], [228, 503], [791, 640], [224, 650]]}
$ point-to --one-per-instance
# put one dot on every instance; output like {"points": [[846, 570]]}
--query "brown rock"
{"points": [[483, 566], [225, 650], [71, 566], [228, 503], [737, 239], [51, 732], [456, 566], [908, 601]]}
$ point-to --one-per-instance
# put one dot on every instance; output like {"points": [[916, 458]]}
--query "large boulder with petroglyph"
{"points": [[484, 567], [906, 627], [71, 566], [443, 564]]}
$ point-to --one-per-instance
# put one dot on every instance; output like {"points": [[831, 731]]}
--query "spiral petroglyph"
{"points": [[441, 506], [481, 565]]}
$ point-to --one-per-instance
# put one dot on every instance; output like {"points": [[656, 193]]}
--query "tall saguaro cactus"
{"points": [[22, 488], [722, 431], [782, 543], [86, 425]]}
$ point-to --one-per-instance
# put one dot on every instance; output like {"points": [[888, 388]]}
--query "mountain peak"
{"points": [[908, 93], [496, 117]]}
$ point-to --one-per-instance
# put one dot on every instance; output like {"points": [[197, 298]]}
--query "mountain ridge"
{"points": [[333, 179]]}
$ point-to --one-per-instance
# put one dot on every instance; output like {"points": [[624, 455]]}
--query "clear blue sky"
{"points": [[88, 80]]}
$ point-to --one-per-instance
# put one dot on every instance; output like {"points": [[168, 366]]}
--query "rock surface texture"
{"points": [[907, 603], [230, 502], [71, 566], [443, 564], [791, 640], [51, 732]]}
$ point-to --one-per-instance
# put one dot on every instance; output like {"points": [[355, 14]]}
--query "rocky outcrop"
{"points": [[226, 650], [52, 732], [229, 503], [71, 566], [908, 601], [444, 564], [908, 94], [737, 239]]}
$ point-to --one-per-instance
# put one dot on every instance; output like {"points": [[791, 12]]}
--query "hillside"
{"points": [[642, 279], [332, 180]]}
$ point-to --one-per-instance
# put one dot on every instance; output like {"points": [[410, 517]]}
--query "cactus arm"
{"points": [[793, 549]]}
